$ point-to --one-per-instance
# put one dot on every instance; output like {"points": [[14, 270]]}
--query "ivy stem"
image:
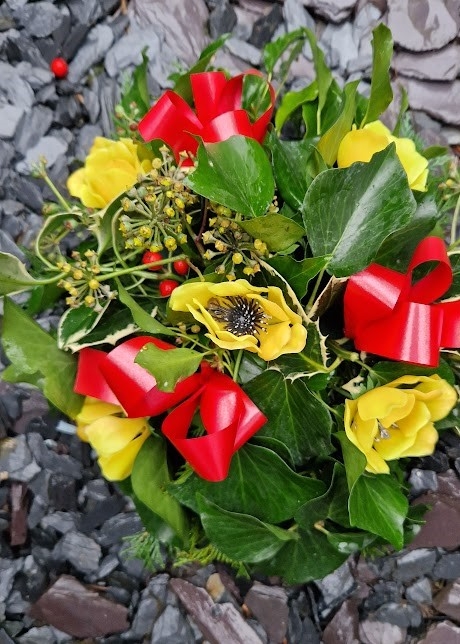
{"points": [[453, 228], [315, 289], [236, 368], [55, 191], [136, 269]]}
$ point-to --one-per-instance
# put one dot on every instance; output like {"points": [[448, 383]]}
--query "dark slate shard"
{"points": [[6, 154], [335, 587], [107, 566], [18, 462], [5, 638], [92, 52], [8, 571], [38, 635], [80, 551], [414, 564], [32, 127], [404, 615], [86, 11], [97, 490], [25, 190], [7, 245], [218, 622], [68, 112], [32, 580], [119, 595], [16, 605], [265, 27], [86, 137], [40, 19], [117, 527], [158, 587], [382, 593], [75, 39], [10, 117], [22, 48], [61, 522], [64, 603], [448, 567], [62, 492], [50, 460], [146, 614], [62, 31], [172, 628], [437, 462], [269, 605], [222, 19], [100, 512], [420, 592], [372, 631]]}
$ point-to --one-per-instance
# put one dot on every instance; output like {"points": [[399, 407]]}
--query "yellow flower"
{"points": [[361, 145], [396, 420], [116, 439], [241, 316], [111, 167]]}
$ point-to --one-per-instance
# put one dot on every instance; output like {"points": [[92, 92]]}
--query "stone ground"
{"points": [[63, 574]]}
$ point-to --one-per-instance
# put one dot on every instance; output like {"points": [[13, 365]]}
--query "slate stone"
{"points": [[383, 592], [344, 626], [67, 112], [335, 587], [32, 579], [79, 550], [414, 564], [33, 126], [295, 16], [404, 615], [62, 492], [442, 633], [7, 245], [339, 44], [86, 137], [448, 567], [49, 147], [222, 19], [92, 52], [16, 605], [218, 622], [75, 39], [107, 566], [40, 19], [61, 522], [421, 26], [447, 600], [101, 512], [4, 637], [97, 490], [332, 10], [374, 632], [38, 635], [50, 460], [441, 65], [420, 591], [128, 50], [118, 527], [244, 50], [26, 190], [67, 600], [8, 570], [146, 614], [438, 461], [158, 587], [172, 628], [19, 462], [6, 154], [10, 116], [265, 27], [269, 605]]}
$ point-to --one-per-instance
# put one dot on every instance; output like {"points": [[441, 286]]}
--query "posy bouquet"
{"points": [[256, 332]]}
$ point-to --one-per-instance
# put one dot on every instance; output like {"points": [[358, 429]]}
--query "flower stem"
{"points": [[236, 369], [453, 228], [137, 268], [315, 290]]}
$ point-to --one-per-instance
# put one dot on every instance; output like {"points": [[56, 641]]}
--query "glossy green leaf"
{"points": [[291, 102], [295, 416], [454, 290], [298, 273], [240, 536], [137, 91], [387, 371], [354, 460], [404, 106], [235, 173], [381, 92], [13, 275], [259, 483], [113, 327], [75, 324], [350, 542], [274, 50], [328, 144], [32, 351], [277, 231], [349, 212], [308, 558], [323, 76], [378, 505], [144, 320], [168, 367], [290, 167], [150, 480]]}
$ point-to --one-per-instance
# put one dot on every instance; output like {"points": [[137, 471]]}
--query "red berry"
{"points": [[181, 267], [148, 257], [59, 67], [167, 287]]}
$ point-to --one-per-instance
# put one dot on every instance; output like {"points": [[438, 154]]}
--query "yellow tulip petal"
{"points": [[196, 292], [424, 443], [413, 163], [118, 466], [273, 341], [413, 422], [365, 432], [297, 339], [443, 403], [384, 403], [420, 182], [93, 410], [377, 127], [392, 447], [376, 464], [249, 343], [76, 181], [111, 434], [359, 145]]}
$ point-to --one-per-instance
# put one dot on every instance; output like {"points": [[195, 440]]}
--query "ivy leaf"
{"points": [[150, 479], [387, 371], [349, 212], [116, 325], [381, 92], [256, 475], [168, 367], [143, 320], [273, 51], [298, 273], [323, 77], [328, 144], [240, 536], [13, 275], [235, 173], [138, 90], [36, 357], [75, 324], [295, 416], [277, 231]]}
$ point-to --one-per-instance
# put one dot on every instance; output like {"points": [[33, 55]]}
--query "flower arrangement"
{"points": [[256, 330]]}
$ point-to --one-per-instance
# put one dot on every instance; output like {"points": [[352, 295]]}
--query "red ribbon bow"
{"points": [[228, 414], [218, 114], [386, 314]]}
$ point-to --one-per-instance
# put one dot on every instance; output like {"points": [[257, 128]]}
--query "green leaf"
{"points": [[397, 249], [138, 90], [308, 558], [236, 173], [454, 290], [289, 160], [32, 350], [13, 275], [378, 505], [291, 101], [350, 542], [75, 324], [354, 460], [168, 367], [102, 226], [295, 416], [381, 93], [402, 110], [259, 484], [388, 371], [349, 212], [182, 85], [240, 536], [143, 320], [277, 231], [323, 76], [274, 50], [117, 324], [328, 144], [150, 480], [298, 273]]}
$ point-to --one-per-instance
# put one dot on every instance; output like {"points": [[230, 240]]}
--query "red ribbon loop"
{"points": [[389, 315], [229, 416], [218, 114]]}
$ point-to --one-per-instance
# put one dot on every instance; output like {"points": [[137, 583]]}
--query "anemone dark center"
{"points": [[239, 314]]}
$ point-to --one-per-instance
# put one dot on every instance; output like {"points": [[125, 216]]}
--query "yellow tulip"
{"points": [[396, 420], [241, 316], [116, 439], [361, 145], [111, 167]]}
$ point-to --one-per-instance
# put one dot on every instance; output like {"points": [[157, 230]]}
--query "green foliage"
{"points": [[168, 367]]}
